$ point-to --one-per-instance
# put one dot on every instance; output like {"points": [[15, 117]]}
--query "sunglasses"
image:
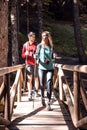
{"points": [[45, 35]]}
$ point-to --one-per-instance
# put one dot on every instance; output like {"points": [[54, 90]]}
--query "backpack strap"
{"points": [[26, 45], [38, 51], [38, 48]]}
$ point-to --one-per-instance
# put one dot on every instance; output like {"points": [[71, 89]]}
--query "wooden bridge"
{"points": [[69, 100]]}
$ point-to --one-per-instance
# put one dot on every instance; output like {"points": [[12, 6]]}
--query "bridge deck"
{"points": [[32, 116]]}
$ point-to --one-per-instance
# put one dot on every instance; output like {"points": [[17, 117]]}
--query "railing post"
{"points": [[19, 92], [76, 96], [60, 73], [24, 78], [7, 98]]}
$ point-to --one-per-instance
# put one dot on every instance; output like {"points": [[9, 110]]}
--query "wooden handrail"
{"points": [[8, 92], [77, 68], [14, 90], [7, 70], [73, 98]]}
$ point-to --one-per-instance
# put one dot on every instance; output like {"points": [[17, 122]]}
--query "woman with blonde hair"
{"points": [[45, 66]]}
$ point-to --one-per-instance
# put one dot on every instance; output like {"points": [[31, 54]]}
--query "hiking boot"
{"points": [[43, 102]]}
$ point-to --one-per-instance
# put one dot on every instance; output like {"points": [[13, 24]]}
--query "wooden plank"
{"points": [[7, 99], [81, 122], [1, 107], [26, 117], [76, 96], [14, 90], [69, 101], [2, 90], [83, 95], [4, 121], [7, 70], [78, 68], [2, 127]]}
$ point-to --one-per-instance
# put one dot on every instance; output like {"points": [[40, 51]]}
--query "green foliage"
{"points": [[22, 38], [63, 34], [84, 38], [63, 37]]}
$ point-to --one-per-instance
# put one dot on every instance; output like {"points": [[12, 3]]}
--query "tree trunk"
{"points": [[27, 16], [78, 38], [3, 33], [14, 24], [9, 36], [40, 17]]}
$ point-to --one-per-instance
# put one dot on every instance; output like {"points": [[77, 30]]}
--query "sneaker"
{"points": [[48, 108], [30, 97], [43, 102], [37, 94]]}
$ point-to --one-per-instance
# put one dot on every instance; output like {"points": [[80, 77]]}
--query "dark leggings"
{"points": [[46, 79]]}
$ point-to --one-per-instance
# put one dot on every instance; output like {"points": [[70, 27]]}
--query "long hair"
{"points": [[50, 42]]}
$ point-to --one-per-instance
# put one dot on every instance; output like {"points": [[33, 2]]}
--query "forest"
{"points": [[65, 19]]}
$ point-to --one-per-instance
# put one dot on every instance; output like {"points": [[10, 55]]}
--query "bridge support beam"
{"points": [[7, 99], [61, 93], [76, 96]]}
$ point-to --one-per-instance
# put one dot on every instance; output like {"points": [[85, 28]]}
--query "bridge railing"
{"points": [[73, 96], [9, 90]]}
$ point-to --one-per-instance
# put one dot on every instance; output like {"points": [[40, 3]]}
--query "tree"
{"points": [[27, 16], [3, 33], [36, 11], [77, 32], [40, 17], [9, 35], [14, 31]]}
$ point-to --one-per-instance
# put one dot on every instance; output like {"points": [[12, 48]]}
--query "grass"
{"points": [[63, 36]]}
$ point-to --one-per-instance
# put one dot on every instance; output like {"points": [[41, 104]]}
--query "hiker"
{"points": [[28, 52], [45, 66]]}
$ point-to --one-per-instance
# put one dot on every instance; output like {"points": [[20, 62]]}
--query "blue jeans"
{"points": [[46, 79]]}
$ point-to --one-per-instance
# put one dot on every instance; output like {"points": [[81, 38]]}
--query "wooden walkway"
{"points": [[30, 115]]}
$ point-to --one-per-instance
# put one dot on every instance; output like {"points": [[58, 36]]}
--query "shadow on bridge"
{"points": [[39, 118]]}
